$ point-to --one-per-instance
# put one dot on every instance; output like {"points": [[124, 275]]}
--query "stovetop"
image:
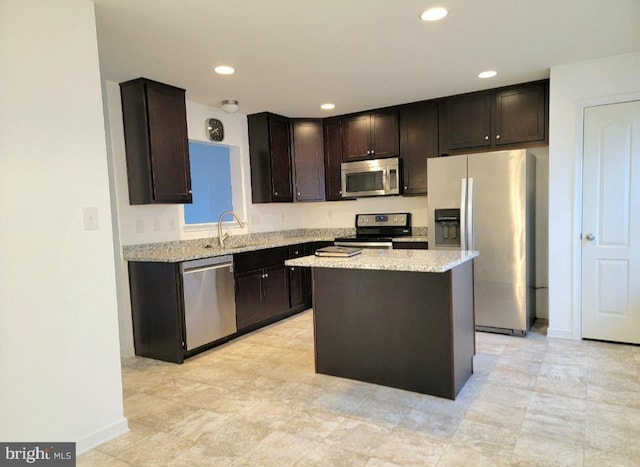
{"points": [[380, 227]]}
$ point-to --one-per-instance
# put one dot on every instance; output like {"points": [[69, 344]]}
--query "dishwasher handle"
{"points": [[203, 264], [207, 268]]}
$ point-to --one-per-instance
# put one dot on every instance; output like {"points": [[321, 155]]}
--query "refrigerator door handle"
{"points": [[470, 232], [463, 215]]}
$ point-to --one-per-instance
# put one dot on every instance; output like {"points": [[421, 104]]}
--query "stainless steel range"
{"points": [[378, 230]]}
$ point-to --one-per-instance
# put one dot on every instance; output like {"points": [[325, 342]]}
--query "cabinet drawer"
{"points": [[252, 260], [410, 245]]}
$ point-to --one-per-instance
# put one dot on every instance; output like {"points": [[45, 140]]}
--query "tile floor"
{"points": [[256, 401]]}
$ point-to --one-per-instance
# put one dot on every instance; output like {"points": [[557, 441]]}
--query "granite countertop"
{"points": [[185, 250], [391, 260], [175, 252]]}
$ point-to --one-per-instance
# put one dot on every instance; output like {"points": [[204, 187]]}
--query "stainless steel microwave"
{"points": [[378, 177]]}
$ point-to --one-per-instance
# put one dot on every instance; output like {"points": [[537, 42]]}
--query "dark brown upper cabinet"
{"points": [[155, 133], [418, 142], [521, 114], [308, 159], [514, 116], [270, 158], [333, 158], [372, 135]]}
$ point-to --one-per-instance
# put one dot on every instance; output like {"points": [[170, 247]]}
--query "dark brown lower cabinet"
{"points": [[407, 330], [300, 278], [157, 310], [249, 303], [275, 291], [266, 289], [261, 295]]}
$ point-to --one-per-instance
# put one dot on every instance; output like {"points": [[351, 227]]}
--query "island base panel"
{"points": [[400, 329]]}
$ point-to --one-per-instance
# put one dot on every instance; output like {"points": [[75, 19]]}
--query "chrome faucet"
{"points": [[222, 236]]}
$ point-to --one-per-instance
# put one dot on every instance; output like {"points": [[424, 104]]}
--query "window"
{"points": [[210, 183]]}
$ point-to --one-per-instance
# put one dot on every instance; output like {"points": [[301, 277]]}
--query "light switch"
{"points": [[90, 218]]}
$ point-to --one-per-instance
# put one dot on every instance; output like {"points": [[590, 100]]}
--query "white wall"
{"points": [[574, 87], [60, 365]]}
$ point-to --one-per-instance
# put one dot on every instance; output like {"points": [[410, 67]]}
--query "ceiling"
{"points": [[291, 56]]}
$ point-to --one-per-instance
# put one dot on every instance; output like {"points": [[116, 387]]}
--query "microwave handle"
{"points": [[392, 179]]}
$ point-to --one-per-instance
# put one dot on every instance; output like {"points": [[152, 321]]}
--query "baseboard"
{"points": [[99, 437], [127, 351], [560, 333]]}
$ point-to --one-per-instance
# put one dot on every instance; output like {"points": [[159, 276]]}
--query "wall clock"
{"points": [[214, 129]]}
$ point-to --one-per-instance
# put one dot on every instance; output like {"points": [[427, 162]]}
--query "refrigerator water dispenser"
{"points": [[447, 227]]}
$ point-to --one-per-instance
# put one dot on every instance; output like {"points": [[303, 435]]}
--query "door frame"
{"points": [[581, 106]]}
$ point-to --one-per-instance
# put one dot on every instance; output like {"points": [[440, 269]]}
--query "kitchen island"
{"points": [[399, 318]]}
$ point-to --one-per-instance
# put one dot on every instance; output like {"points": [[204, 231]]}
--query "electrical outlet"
{"points": [[282, 218], [90, 218], [172, 225], [156, 224], [330, 214], [139, 226]]}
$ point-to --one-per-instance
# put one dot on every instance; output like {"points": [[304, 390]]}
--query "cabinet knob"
{"points": [[293, 269], [298, 193], [486, 138], [373, 151], [406, 187], [275, 193], [497, 136], [340, 192], [368, 152]]}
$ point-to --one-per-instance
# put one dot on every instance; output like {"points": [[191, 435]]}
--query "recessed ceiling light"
{"points": [[224, 70], [328, 106], [487, 74], [433, 14]]}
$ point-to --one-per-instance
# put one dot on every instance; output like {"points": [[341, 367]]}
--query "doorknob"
{"points": [[590, 237]]}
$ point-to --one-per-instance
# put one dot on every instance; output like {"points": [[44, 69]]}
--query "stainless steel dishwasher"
{"points": [[209, 300]]}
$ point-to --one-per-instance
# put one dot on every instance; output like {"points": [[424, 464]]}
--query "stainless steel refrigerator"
{"points": [[485, 202]]}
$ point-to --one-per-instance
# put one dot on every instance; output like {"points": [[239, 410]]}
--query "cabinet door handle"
{"points": [[486, 138], [497, 136]]}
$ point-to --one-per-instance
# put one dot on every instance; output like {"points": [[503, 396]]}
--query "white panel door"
{"points": [[611, 223]]}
